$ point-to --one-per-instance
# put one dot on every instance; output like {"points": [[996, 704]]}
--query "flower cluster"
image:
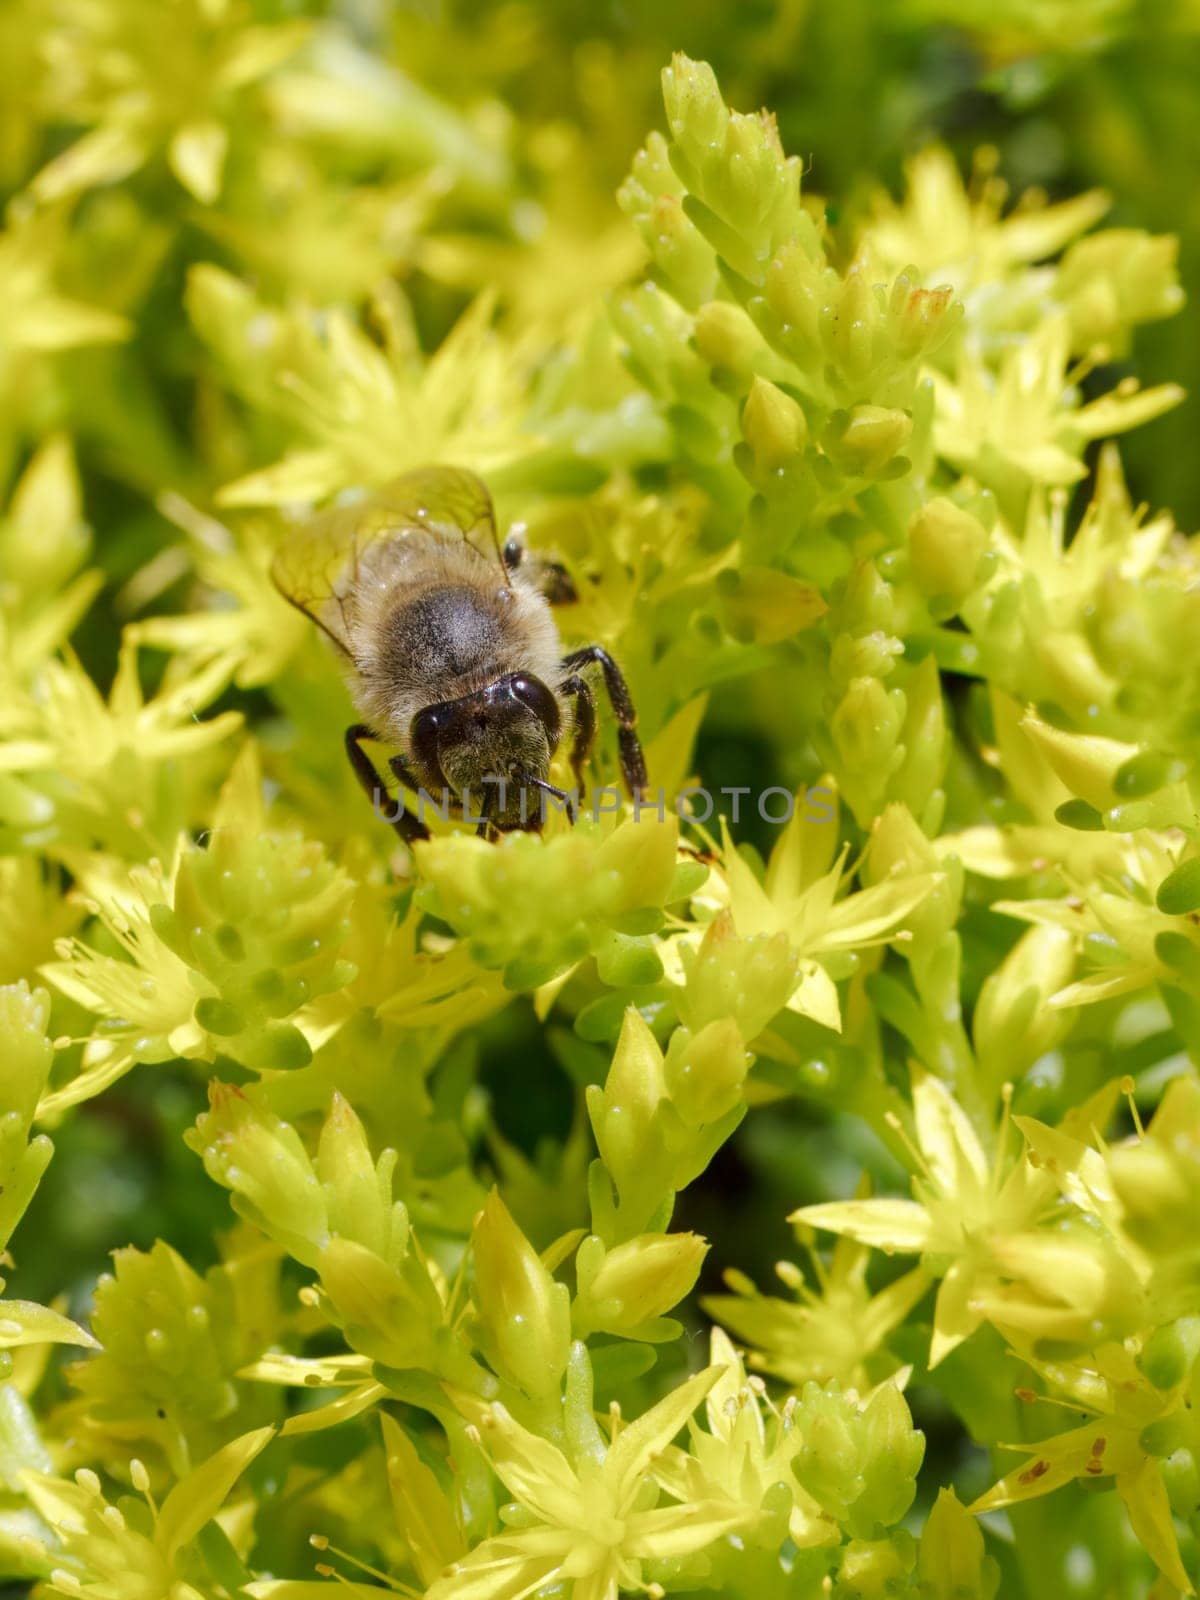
{"points": [[413, 1301]]}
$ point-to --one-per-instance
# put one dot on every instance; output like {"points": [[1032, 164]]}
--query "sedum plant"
{"points": [[399, 1221]]}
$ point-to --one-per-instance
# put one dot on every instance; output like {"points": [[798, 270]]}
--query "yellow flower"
{"points": [[43, 540], [103, 1555], [144, 996], [126, 773], [147, 77], [362, 414], [798, 898], [961, 1202], [1129, 1412], [590, 1519], [1024, 422], [836, 1330], [748, 1456]]}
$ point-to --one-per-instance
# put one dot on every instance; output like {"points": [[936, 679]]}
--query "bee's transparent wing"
{"points": [[316, 565]]}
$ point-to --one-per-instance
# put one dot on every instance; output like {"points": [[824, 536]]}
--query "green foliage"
{"points": [[818, 415]]}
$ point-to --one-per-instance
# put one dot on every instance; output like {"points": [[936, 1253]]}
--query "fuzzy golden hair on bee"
{"points": [[451, 650]]}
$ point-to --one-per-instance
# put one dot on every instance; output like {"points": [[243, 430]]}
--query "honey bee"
{"points": [[451, 650]]}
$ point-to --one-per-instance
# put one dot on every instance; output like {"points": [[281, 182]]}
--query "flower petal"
{"points": [[636, 1445], [1145, 1497], [948, 1142], [887, 1224], [534, 1471], [671, 1531]]}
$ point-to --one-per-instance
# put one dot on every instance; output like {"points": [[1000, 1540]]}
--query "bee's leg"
{"points": [[585, 725], [550, 578], [633, 762], [405, 823]]}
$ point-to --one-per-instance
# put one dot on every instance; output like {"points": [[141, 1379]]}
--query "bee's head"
{"points": [[492, 744]]}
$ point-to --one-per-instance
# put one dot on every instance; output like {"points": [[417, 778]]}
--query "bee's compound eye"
{"points": [[425, 728], [514, 552], [532, 692]]}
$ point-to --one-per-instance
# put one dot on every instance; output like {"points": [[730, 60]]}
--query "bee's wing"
{"points": [[316, 565]]}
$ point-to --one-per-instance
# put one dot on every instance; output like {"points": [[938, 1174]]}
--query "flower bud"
{"points": [[1013, 1024], [705, 1072], [631, 1093], [745, 980], [1085, 762], [945, 547], [864, 442], [1170, 1352], [261, 1160], [1157, 1178], [696, 113], [358, 1191], [876, 1569], [625, 1290], [526, 1314], [951, 1564], [1179, 892], [773, 425], [866, 726], [25, 1057], [858, 1462], [727, 339], [25, 1051], [392, 1316]]}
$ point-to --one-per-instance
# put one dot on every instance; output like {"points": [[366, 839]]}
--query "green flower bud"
{"points": [[859, 1462], [867, 604], [866, 726], [866, 442], [526, 1315], [747, 981], [261, 1160], [1181, 1479], [705, 1072], [945, 548], [951, 1564], [358, 1191], [392, 1316], [876, 1569], [1086, 763], [1157, 1178], [652, 197], [696, 113], [626, 1290], [1013, 1024], [774, 427], [1147, 773], [727, 339]]}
